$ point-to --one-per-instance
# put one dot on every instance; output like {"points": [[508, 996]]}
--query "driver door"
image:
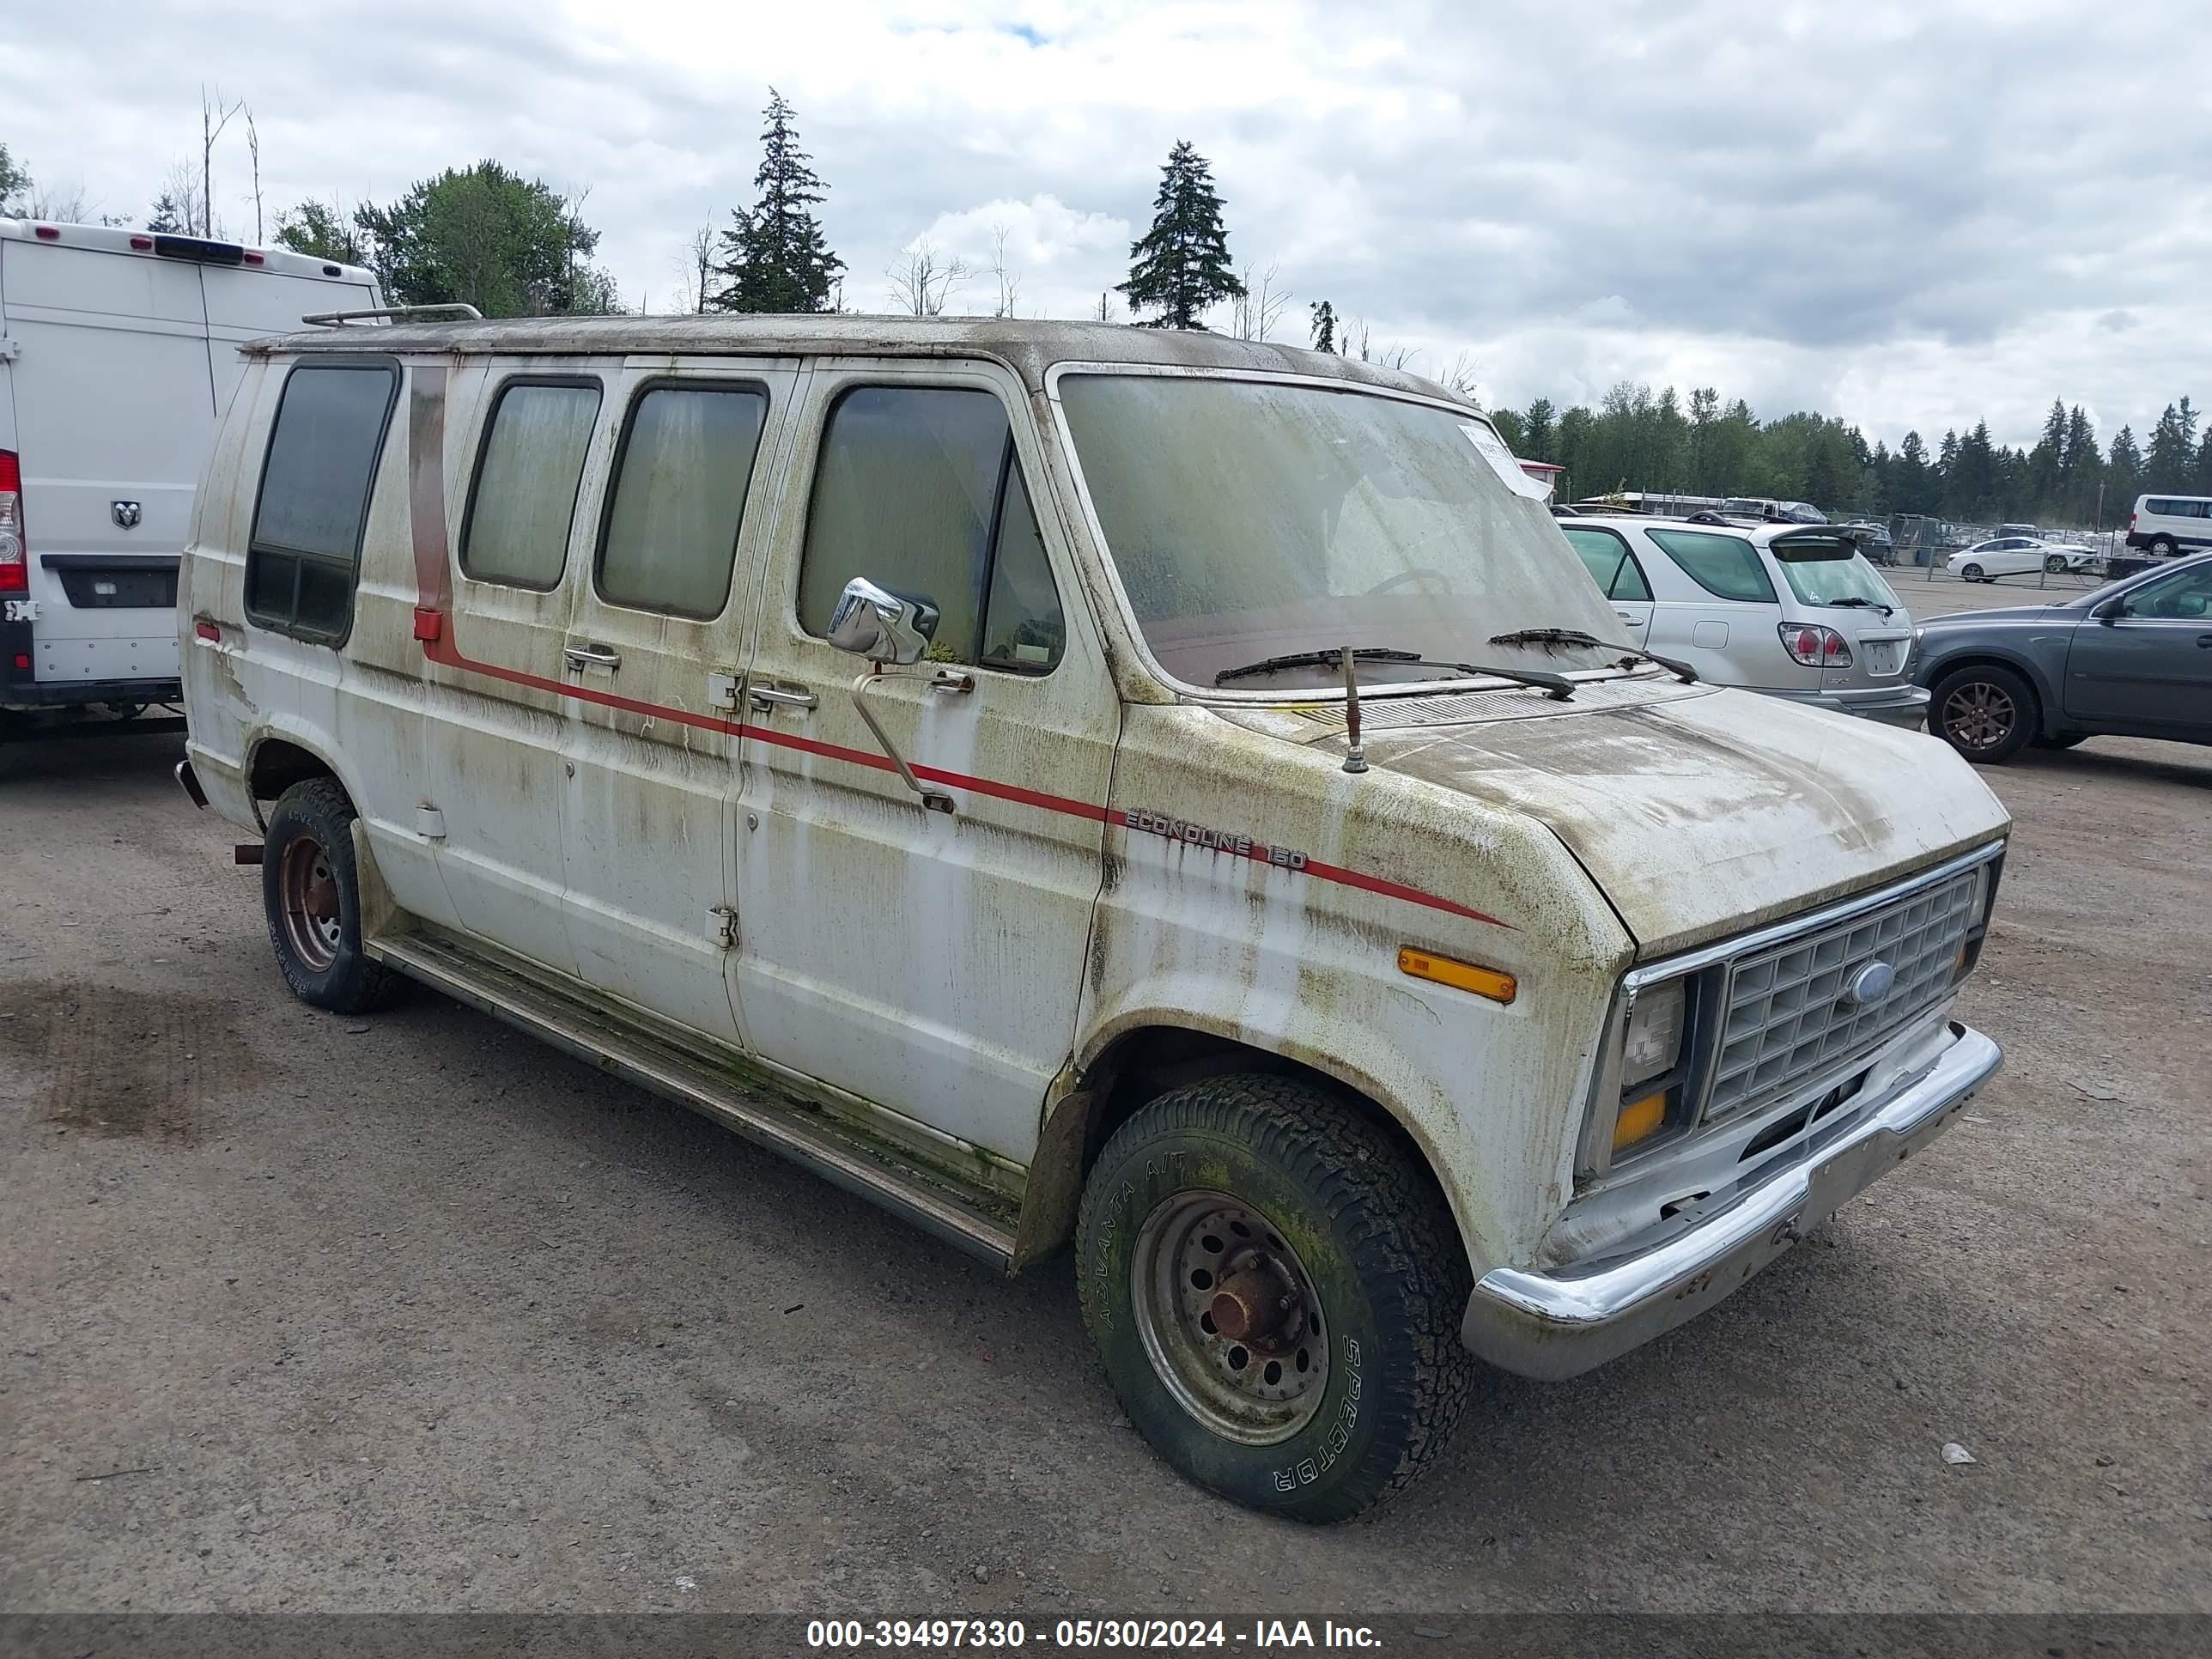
{"points": [[2145, 663]]}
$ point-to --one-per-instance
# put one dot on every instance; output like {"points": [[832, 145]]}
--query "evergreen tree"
{"points": [[2204, 464], [1913, 491], [1324, 325], [2124, 471], [1538, 435], [166, 217], [2170, 462], [1181, 266], [777, 258]]}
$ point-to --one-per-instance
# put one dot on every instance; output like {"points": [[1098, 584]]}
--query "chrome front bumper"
{"points": [[1561, 1323]]}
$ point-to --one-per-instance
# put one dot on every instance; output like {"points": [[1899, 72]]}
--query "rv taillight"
{"points": [[252, 258], [46, 233], [143, 244], [15, 567], [2131, 524]]}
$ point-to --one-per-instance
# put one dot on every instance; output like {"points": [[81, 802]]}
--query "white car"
{"points": [[2017, 556]]}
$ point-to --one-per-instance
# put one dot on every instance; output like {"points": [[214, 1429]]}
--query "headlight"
{"points": [[1653, 1042], [1641, 1088]]}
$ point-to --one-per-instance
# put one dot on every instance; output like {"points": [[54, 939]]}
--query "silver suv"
{"points": [[1793, 611]]}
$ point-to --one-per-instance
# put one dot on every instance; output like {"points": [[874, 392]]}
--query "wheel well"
{"points": [[1942, 671], [1140, 1066], [278, 765]]}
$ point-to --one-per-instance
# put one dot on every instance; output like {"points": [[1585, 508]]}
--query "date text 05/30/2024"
{"points": [[1259, 1636]]}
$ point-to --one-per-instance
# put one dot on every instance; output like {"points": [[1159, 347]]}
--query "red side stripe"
{"points": [[440, 649]]}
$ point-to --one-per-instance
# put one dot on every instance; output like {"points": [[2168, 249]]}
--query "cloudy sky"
{"points": [[1912, 214]]}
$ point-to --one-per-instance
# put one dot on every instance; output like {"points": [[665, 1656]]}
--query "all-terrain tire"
{"points": [[311, 892], [1374, 1237]]}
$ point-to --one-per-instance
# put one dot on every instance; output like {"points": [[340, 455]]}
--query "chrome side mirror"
{"points": [[871, 621]]}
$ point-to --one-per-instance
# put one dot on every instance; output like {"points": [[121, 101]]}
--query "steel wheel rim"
{"points": [[1257, 1375], [1979, 715], [307, 888]]}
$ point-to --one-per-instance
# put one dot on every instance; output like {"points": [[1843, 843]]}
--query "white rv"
{"points": [[118, 356]]}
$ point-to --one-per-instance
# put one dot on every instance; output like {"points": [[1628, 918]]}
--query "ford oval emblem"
{"points": [[1870, 984]]}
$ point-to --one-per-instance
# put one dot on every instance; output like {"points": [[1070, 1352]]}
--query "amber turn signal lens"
{"points": [[1639, 1120], [1460, 975]]}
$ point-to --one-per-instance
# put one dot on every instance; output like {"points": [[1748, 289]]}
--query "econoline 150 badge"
{"points": [[1223, 841]]}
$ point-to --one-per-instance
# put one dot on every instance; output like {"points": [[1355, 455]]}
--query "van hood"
{"points": [[1700, 817]]}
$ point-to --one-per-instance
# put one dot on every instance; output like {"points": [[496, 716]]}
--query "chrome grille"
{"points": [[1785, 1016]]}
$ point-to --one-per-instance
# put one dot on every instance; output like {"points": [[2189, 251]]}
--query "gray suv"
{"points": [[2134, 660]]}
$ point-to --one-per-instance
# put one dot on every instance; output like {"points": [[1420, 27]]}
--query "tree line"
{"points": [[1634, 440], [516, 246]]}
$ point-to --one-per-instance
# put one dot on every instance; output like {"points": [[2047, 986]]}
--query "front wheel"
{"points": [[1274, 1285], [311, 889], [1971, 573], [1985, 713]]}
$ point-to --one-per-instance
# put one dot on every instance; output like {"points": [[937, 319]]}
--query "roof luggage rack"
{"points": [[458, 311]]}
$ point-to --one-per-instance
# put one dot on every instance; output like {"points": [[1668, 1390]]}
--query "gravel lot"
{"points": [[412, 1313]]}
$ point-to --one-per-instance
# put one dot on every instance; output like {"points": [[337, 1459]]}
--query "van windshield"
{"points": [[1254, 519], [1828, 570]]}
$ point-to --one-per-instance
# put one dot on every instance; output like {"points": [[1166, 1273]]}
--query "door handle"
{"points": [[2205, 641], [780, 696], [593, 655]]}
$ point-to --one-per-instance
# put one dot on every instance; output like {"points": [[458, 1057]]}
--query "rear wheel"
{"points": [[2163, 547], [311, 891], [1972, 573], [1985, 713], [1274, 1285]]}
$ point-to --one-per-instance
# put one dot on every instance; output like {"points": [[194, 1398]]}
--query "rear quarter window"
{"points": [[1727, 567], [305, 549]]}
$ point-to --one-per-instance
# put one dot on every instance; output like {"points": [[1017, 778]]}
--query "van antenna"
{"points": [[1355, 758]]}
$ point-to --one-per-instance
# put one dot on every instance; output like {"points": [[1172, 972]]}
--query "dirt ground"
{"points": [[412, 1313]]}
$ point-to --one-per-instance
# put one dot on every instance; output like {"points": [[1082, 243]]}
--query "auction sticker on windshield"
{"points": [[1491, 448]]}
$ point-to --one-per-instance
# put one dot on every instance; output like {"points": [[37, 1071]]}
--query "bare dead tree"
{"points": [[702, 266], [59, 205], [1105, 307], [213, 119], [1261, 305], [1396, 356], [1009, 285], [922, 280], [1458, 378], [253, 148], [1355, 340], [180, 188]]}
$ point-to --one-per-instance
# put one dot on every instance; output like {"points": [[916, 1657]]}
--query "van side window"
{"points": [[305, 549], [1726, 567], [671, 537], [918, 488], [527, 476], [1610, 563]]}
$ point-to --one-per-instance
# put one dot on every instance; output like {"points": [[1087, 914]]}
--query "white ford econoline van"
{"points": [[118, 353], [1175, 795]]}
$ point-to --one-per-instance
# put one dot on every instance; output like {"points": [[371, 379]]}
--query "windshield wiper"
{"points": [[1680, 670], [1559, 687], [1863, 604]]}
